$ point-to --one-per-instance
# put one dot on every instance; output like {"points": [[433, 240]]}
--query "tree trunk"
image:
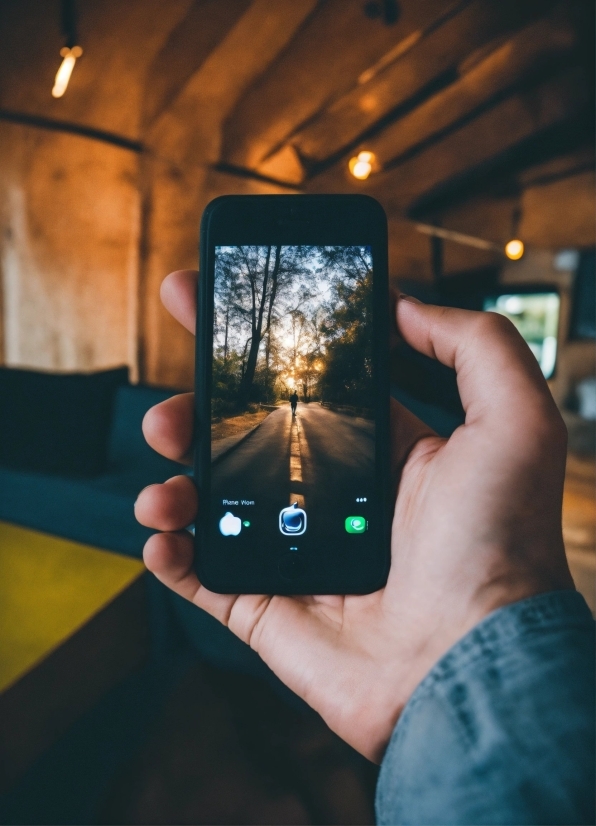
{"points": [[257, 325], [226, 333]]}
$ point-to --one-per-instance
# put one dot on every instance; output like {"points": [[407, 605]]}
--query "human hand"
{"points": [[477, 525]]}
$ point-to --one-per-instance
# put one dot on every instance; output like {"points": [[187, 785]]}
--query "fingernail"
{"points": [[410, 298], [152, 485]]}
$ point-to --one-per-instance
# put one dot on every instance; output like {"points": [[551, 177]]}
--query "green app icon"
{"points": [[355, 524]]}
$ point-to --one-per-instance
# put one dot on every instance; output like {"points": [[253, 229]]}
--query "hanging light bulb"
{"points": [[361, 165], [514, 249], [69, 58]]}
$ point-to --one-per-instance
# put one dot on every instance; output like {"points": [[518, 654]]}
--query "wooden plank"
{"points": [[537, 45], [581, 160], [185, 50], [480, 141], [561, 213], [437, 52], [334, 46]]}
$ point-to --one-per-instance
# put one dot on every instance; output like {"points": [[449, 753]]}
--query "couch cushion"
{"points": [[57, 423], [97, 512], [127, 446]]}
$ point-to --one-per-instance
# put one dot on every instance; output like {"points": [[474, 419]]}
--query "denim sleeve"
{"points": [[501, 731]]}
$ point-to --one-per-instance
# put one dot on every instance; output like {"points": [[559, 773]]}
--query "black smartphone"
{"points": [[292, 395]]}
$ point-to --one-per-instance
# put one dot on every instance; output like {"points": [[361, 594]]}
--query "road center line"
{"points": [[295, 461]]}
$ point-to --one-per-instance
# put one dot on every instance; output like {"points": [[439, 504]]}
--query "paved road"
{"points": [[337, 452], [321, 457]]}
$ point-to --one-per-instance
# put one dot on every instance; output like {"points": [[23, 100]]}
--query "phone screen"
{"points": [[293, 407]]}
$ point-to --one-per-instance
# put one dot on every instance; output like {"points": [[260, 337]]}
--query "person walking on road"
{"points": [[294, 402]]}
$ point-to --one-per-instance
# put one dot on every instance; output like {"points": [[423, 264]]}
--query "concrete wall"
{"points": [[68, 250]]}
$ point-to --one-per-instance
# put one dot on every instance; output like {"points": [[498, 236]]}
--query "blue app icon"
{"points": [[292, 520]]}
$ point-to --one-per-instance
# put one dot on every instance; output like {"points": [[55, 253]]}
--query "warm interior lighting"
{"points": [[361, 165], [69, 57], [514, 249]]}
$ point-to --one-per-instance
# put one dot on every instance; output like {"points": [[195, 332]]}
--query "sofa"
{"points": [[89, 497], [98, 508]]}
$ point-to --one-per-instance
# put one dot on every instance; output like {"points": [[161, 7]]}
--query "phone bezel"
{"points": [[293, 219]]}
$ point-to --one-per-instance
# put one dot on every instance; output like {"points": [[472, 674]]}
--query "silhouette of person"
{"points": [[294, 402]]}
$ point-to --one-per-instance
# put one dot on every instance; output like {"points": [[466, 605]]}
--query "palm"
{"points": [[331, 650]]}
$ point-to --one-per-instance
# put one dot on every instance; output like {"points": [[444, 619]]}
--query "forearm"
{"points": [[502, 728]]}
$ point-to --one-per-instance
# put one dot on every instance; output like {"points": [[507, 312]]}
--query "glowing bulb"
{"points": [[514, 249], [69, 57], [361, 165]]}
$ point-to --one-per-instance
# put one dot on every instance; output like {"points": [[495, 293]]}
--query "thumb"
{"points": [[497, 374]]}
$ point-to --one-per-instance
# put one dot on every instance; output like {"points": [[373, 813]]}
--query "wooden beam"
{"points": [[185, 50], [474, 146], [560, 214], [431, 61], [334, 46], [486, 216], [563, 166], [531, 50]]}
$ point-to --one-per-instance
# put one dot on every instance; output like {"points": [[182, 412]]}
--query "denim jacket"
{"points": [[501, 731]]}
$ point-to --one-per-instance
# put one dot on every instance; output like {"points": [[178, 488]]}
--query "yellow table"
{"points": [[72, 623]]}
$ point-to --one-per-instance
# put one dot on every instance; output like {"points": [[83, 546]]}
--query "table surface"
{"points": [[49, 588]]}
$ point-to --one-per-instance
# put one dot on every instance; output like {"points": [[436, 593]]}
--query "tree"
{"points": [[250, 281], [347, 368]]}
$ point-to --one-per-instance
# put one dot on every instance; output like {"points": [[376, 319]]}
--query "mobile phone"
{"points": [[292, 395]]}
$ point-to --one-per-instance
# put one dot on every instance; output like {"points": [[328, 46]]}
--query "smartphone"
{"points": [[292, 395]]}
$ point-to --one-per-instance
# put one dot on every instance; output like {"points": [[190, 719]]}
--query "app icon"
{"points": [[292, 520], [355, 524], [230, 525]]}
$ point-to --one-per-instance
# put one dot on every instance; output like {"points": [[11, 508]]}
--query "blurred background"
{"points": [[471, 121]]}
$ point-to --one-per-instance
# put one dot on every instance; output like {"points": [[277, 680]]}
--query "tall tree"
{"points": [[347, 373], [263, 296], [258, 289]]}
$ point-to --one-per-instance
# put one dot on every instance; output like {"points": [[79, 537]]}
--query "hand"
{"points": [[477, 525]]}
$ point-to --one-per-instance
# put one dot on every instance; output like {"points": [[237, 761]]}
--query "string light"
{"points": [[514, 249], [361, 165], [69, 58]]}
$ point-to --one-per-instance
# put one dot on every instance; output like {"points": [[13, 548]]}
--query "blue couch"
{"points": [[67, 783], [99, 510]]}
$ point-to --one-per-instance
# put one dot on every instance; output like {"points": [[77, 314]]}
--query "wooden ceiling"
{"points": [[468, 105]]}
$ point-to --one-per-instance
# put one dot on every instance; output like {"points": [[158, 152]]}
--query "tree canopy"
{"points": [[291, 318]]}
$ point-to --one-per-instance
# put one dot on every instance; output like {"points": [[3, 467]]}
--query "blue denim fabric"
{"points": [[501, 731]]}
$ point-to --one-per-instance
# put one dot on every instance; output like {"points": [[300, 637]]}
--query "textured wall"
{"points": [[68, 250], [89, 230]]}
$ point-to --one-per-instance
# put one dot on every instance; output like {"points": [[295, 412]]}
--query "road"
{"points": [[318, 459]]}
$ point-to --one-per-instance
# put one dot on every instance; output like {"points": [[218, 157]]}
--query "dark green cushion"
{"points": [[57, 423]]}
